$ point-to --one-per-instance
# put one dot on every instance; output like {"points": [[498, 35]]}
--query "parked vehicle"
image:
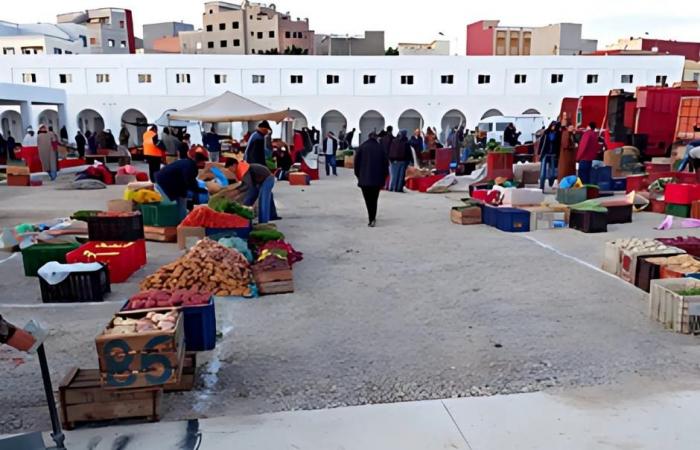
{"points": [[527, 125]]}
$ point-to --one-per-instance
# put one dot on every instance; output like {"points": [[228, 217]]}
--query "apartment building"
{"points": [[371, 43], [42, 38], [164, 36], [690, 50], [489, 38], [108, 30], [248, 28], [435, 48]]}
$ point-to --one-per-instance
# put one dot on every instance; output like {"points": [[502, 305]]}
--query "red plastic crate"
{"points": [[681, 194], [650, 167], [657, 206], [637, 183], [68, 163], [499, 164], [443, 158], [121, 258], [422, 184]]}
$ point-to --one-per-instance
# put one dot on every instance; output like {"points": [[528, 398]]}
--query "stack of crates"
{"points": [[116, 241], [161, 220], [679, 197]]}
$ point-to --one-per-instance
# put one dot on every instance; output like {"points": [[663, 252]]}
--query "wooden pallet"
{"points": [[82, 399], [160, 234], [189, 374]]}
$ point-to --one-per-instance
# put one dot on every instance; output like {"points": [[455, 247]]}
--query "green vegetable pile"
{"points": [[224, 205], [589, 205], [689, 292], [266, 235]]}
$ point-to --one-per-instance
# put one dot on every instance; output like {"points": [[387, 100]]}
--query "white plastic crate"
{"points": [[522, 197]]}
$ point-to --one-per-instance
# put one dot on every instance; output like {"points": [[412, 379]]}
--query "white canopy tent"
{"points": [[228, 107]]}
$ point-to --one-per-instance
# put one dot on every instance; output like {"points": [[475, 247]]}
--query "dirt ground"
{"points": [[417, 308]]}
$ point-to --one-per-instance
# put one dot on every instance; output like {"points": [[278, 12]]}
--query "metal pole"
{"points": [[57, 434]]}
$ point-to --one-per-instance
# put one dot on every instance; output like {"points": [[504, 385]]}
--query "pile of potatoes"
{"points": [[207, 267]]}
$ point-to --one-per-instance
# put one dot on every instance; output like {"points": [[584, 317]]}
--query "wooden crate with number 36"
{"points": [[135, 360]]}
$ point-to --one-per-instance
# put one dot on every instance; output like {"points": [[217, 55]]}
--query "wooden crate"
{"points": [[155, 358], [81, 398], [274, 281], [185, 233], [160, 234], [189, 374], [678, 313], [628, 261], [466, 215]]}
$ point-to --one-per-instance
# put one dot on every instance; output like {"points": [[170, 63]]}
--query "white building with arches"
{"points": [[366, 93]]}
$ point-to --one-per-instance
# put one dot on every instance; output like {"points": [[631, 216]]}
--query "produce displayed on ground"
{"points": [[159, 298], [204, 216], [154, 321]]}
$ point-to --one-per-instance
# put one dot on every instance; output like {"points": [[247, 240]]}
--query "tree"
{"points": [[294, 50], [392, 51]]}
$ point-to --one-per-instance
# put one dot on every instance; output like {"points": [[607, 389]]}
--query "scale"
{"points": [[35, 440]]}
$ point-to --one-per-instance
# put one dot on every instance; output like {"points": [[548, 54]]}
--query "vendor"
{"points": [[256, 183], [255, 151], [284, 163], [177, 179]]}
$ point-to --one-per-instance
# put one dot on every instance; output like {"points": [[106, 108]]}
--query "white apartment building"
{"points": [[435, 48], [366, 93]]}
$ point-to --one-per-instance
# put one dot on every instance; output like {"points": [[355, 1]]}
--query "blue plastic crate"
{"points": [[200, 327], [619, 184], [602, 175], [488, 215], [512, 220]]}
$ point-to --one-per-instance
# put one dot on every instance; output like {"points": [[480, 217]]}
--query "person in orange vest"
{"points": [[151, 152]]}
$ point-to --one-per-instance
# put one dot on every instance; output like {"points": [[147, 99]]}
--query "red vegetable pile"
{"points": [[160, 299], [204, 216]]}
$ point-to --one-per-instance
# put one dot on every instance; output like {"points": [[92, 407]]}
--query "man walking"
{"points": [[399, 155], [371, 170], [330, 146], [255, 151]]}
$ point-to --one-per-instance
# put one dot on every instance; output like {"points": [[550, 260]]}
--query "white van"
{"points": [[527, 125]]}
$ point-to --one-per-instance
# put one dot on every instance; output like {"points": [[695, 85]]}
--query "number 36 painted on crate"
{"points": [[119, 357]]}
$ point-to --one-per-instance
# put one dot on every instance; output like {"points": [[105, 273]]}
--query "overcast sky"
{"points": [[413, 21]]}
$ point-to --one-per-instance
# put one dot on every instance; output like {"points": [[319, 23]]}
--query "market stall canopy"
{"points": [[228, 107], [166, 121]]}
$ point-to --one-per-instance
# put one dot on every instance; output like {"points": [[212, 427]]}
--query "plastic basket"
{"points": [[200, 327], [619, 184], [512, 220], [161, 214], [129, 228], [588, 221], [488, 215], [572, 196], [680, 194], [78, 287], [677, 210], [619, 213], [122, 258], [39, 254]]}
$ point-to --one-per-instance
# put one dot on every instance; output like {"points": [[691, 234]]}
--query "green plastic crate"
{"points": [[677, 210], [161, 214], [571, 196], [39, 254]]}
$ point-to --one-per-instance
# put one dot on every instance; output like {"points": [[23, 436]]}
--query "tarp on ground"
{"points": [[228, 107]]}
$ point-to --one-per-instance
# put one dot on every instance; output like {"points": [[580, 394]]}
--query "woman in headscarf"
{"points": [[567, 152], [47, 155], [548, 149]]}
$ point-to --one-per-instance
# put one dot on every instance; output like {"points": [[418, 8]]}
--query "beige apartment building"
{"points": [[248, 28]]}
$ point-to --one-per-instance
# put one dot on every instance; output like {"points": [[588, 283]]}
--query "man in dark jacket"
{"points": [[212, 143], [387, 139], [80, 143], [315, 136], [10, 144], [255, 151], [330, 146], [371, 170], [349, 136], [511, 135], [257, 183], [179, 178], [399, 156]]}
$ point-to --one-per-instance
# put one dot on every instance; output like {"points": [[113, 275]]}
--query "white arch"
{"points": [[410, 120], [491, 113], [333, 121], [451, 119], [11, 121], [532, 111], [49, 117], [89, 119], [370, 121], [136, 123]]}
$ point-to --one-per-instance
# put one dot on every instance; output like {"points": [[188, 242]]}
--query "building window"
{"points": [[110, 42], [236, 42], [210, 44], [210, 27], [406, 79], [8, 51], [65, 78], [287, 34], [182, 78], [122, 44], [332, 79], [235, 25], [592, 78], [260, 35], [557, 78], [220, 78], [484, 79], [121, 24], [28, 78], [223, 44], [258, 79], [222, 26], [296, 79], [661, 80], [144, 78], [447, 79], [57, 51], [68, 52], [102, 77], [369, 79], [93, 41], [271, 34], [627, 79], [520, 78], [252, 34]]}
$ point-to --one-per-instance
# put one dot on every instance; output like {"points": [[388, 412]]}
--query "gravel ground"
{"points": [[417, 308]]}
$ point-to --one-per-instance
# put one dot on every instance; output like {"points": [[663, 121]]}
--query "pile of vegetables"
{"points": [[159, 299], [271, 260], [204, 216], [153, 321], [690, 292], [281, 249], [225, 205], [684, 264], [659, 185], [207, 267], [86, 215]]}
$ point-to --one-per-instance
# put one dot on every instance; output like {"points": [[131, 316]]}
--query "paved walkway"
{"points": [[592, 418]]}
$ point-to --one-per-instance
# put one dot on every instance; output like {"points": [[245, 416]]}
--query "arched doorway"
{"points": [[491, 113], [49, 118], [11, 123], [371, 121], [136, 123], [410, 120], [531, 111], [90, 120], [333, 121], [298, 119], [452, 119]]}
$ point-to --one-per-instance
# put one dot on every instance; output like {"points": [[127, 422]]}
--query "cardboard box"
{"points": [[299, 179], [185, 234], [613, 159], [18, 180]]}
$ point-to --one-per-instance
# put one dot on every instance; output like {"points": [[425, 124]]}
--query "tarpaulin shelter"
{"points": [[228, 107]]}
